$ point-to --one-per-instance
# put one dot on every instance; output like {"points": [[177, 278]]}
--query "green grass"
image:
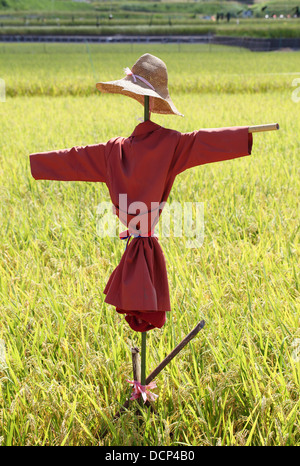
{"points": [[67, 353], [167, 7], [64, 69], [40, 17], [256, 28], [44, 5]]}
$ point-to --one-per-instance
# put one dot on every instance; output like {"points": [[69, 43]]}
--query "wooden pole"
{"points": [[136, 364], [175, 351], [144, 334], [157, 370], [143, 362], [260, 128], [146, 108]]}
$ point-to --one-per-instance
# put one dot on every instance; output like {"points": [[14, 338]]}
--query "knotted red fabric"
{"points": [[139, 172]]}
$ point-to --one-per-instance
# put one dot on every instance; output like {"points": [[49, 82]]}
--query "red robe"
{"points": [[142, 166]]}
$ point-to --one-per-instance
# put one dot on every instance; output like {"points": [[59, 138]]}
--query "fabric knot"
{"points": [[127, 235]]}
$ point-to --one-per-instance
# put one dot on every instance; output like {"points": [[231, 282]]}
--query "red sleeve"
{"points": [[211, 145], [76, 164]]}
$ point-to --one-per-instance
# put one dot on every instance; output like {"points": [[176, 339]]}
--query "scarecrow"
{"points": [[139, 172]]}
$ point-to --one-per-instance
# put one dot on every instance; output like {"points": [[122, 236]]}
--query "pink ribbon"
{"points": [[138, 389], [134, 76]]}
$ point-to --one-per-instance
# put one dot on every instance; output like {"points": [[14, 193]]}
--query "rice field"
{"points": [[64, 353]]}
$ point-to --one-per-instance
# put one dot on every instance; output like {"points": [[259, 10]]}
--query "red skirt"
{"points": [[138, 287]]}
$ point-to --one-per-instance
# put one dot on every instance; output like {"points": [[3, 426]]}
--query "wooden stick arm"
{"points": [[175, 351], [259, 128]]}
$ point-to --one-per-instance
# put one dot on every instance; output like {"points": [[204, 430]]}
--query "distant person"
{"points": [[228, 17]]}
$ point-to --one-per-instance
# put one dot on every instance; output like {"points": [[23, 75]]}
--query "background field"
{"points": [[65, 355], [63, 17]]}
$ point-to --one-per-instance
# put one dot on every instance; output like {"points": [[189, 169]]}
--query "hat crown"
{"points": [[153, 69]]}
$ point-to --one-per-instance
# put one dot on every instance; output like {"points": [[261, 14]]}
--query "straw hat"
{"points": [[148, 76]]}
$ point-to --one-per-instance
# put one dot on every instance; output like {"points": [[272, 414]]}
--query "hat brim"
{"points": [[137, 91]]}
